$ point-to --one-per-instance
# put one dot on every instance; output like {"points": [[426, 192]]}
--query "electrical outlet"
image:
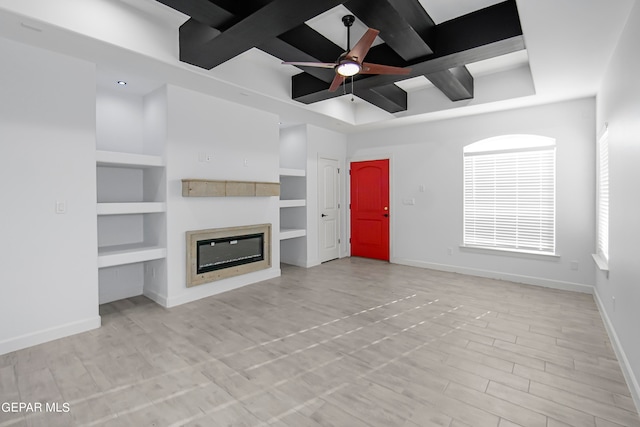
{"points": [[449, 251], [574, 265]]}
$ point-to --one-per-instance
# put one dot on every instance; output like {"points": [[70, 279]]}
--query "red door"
{"points": [[370, 209]]}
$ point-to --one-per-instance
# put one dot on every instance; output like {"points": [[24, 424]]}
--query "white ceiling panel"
{"points": [[444, 10]]}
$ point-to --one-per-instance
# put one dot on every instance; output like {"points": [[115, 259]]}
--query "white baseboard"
{"points": [[527, 280], [627, 371], [155, 297], [298, 262], [203, 291], [49, 334]]}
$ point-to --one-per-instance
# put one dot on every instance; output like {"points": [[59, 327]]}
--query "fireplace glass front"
{"points": [[216, 254]]}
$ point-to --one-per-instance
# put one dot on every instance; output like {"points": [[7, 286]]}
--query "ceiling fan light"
{"points": [[348, 68]]}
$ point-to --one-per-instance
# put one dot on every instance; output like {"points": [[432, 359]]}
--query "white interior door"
{"points": [[329, 196]]}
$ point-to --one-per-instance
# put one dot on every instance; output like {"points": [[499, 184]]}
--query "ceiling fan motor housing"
{"points": [[348, 20]]}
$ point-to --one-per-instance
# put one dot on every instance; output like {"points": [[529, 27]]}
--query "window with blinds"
{"points": [[603, 196], [509, 194]]}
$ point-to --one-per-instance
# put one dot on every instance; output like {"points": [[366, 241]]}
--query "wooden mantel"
{"points": [[211, 188]]}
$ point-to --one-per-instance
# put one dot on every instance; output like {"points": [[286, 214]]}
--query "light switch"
{"points": [[205, 157], [61, 206]]}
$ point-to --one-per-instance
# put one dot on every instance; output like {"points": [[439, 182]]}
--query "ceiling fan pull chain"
{"points": [[352, 100]]}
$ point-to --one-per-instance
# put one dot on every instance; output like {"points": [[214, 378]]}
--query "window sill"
{"points": [[511, 252], [602, 264]]}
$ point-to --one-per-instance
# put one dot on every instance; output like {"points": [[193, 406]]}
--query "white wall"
{"points": [[119, 121], [619, 105], [244, 145], [293, 147], [430, 154], [48, 279]]}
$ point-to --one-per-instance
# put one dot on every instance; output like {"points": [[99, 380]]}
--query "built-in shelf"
{"points": [[292, 233], [130, 208], [215, 188], [293, 203], [109, 256], [292, 172], [127, 160]]}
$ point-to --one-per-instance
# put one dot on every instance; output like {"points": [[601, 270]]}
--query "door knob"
{"points": [[386, 215], [323, 215]]}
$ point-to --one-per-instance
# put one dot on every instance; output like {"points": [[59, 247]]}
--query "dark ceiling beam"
{"points": [[242, 8], [306, 44], [484, 26], [281, 49], [456, 83], [390, 98], [202, 11], [394, 28], [270, 21], [481, 35], [413, 12], [308, 89], [192, 35]]}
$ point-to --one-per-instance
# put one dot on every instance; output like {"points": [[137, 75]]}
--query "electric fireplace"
{"points": [[220, 253]]}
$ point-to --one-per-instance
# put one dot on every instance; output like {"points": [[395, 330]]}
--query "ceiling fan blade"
{"points": [[312, 64], [359, 51], [368, 68], [337, 81]]}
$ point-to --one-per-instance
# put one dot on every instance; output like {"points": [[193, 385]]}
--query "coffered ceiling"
{"points": [[219, 30], [466, 56]]}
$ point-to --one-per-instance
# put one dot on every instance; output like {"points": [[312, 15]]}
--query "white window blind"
{"points": [[509, 199], [603, 196]]}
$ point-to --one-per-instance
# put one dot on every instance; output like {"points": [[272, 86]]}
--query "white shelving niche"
{"points": [[293, 196], [131, 223], [131, 194], [292, 203]]}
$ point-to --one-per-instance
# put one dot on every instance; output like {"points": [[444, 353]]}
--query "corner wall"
{"points": [[429, 233], [49, 277], [618, 103]]}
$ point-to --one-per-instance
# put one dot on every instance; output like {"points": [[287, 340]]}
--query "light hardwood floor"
{"points": [[350, 343]]}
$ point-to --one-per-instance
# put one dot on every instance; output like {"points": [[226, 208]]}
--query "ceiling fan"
{"points": [[351, 62]]}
